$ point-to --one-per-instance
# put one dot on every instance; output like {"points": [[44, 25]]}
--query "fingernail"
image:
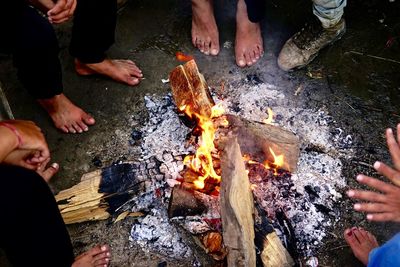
{"points": [[360, 177], [369, 216], [377, 165], [357, 206], [350, 193], [103, 248]]}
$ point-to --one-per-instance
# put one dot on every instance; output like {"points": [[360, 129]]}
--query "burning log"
{"points": [[184, 203], [237, 207], [189, 88], [257, 139]]}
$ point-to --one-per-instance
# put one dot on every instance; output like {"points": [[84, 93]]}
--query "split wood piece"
{"points": [[190, 88], [272, 251], [83, 202], [237, 206], [256, 139], [184, 203]]}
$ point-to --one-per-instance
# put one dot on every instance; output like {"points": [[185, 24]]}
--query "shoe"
{"points": [[304, 46]]}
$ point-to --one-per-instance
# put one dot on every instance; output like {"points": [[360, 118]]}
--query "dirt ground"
{"points": [[362, 93]]}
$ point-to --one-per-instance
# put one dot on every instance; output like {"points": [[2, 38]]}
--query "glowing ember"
{"points": [[270, 118], [182, 57], [279, 161], [202, 162]]}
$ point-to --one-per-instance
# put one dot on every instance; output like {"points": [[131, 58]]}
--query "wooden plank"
{"points": [[189, 88], [256, 139], [236, 207]]}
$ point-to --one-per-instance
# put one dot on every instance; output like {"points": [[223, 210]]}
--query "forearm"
{"points": [[8, 142]]}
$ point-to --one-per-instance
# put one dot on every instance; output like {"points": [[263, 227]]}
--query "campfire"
{"points": [[218, 168], [224, 175]]}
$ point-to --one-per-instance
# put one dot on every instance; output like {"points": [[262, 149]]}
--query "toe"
{"points": [[83, 126], [358, 234], [132, 81], [71, 129], [350, 238], [88, 120], [214, 49], [77, 128], [50, 171], [240, 60], [248, 57], [101, 263], [64, 129], [199, 45], [101, 257]]}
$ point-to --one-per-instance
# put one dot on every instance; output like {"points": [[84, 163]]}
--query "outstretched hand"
{"points": [[385, 205], [62, 11]]}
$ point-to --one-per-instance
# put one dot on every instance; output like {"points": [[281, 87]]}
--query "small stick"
{"points": [[372, 56], [365, 164], [344, 102], [339, 247]]}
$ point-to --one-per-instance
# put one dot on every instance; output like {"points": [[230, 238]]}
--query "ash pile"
{"points": [[306, 200]]}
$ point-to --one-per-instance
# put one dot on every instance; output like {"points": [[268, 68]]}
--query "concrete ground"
{"points": [[362, 93]]}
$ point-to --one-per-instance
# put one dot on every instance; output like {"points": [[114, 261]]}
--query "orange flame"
{"points": [[182, 57], [202, 162], [270, 118]]}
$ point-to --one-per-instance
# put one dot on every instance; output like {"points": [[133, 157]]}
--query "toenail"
{"points": [[54, 165], [357, 206], [108, 254], [370, 216], [103, 248], [241, 62], [359, 178], [389, 130], [349, 233], [353, 228], [214, 51], [350, 193]]}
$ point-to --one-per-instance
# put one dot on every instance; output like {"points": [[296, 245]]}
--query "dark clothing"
{"points": [[32, 232], [255, 10], [31, 39], [93, 29]]}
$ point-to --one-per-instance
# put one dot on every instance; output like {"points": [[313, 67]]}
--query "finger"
{"points": [[392, 174], [367, 196], [58, 7], [380, 217], [394, 148], [375, 183], [372, 207], [60, 16], [72, 9]]}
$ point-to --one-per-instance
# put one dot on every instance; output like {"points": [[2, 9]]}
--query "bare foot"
{"points": [[124, 71], [66, 116], [204, 28], [361, 243], [249, 43], [98, 256], [47, 173]]}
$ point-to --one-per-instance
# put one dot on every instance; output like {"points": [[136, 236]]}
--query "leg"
{"points": [[304, 46], [329, 12], [32, 232], [205, 34], [361, 243], [34, 46], [92, 35], [249, 43]]}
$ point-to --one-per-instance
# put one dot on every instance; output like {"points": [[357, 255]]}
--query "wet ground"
{"points": [[359, 86]]}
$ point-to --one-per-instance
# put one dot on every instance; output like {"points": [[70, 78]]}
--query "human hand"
{"points": [[385, 205], [62, 11], [30, 140]]}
